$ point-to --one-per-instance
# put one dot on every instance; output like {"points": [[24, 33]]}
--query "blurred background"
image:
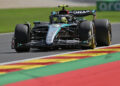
{"points": [[14, 12], [43, 3]]}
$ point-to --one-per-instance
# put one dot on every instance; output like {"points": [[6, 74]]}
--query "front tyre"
{"points": [[87, 34], [21, 37]]}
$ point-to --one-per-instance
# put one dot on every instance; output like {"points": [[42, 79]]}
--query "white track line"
{"points": [[49, 56], [2, 34]]}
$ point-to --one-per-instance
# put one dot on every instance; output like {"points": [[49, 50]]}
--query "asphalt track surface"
{"points": [[8, 55]]}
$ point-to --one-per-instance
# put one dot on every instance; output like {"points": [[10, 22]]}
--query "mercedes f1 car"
{"points": [[65, 28]]}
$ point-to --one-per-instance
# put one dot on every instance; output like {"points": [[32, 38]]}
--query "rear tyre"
{"points": [[103, 32], [21, 36]]}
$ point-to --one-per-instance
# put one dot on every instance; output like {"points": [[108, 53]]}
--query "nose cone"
{"points": [[52, 32]]}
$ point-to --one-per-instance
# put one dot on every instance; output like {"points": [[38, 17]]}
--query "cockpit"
{"points": [[61, 19]]}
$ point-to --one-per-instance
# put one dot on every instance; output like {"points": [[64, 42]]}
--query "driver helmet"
{"points": [[64, 20]]}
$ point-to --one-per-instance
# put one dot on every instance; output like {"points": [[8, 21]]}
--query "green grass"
{"points": [[10, 17]]}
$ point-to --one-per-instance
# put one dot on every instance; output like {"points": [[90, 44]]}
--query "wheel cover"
{"points": [[109, 38], [93, 45]]}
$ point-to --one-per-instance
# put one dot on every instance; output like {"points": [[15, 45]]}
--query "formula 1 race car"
{"points": [[65, 28]]}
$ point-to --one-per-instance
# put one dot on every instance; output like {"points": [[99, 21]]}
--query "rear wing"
{"points": [[80, 13]]}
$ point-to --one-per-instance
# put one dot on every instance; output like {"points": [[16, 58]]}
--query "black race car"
{"points": [[65, 28]]}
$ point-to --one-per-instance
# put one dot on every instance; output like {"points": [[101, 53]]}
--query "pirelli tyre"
{"points": [[86, 33], [103, 32], [21, 36]]}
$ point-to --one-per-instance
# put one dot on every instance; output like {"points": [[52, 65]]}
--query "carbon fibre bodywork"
{"points": [[55, 35]]}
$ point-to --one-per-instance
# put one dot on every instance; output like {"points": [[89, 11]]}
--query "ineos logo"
{"points": [[109, 6]]}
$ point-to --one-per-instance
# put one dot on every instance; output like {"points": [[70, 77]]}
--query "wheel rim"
{"points": [[93, 45], [109, 38]]}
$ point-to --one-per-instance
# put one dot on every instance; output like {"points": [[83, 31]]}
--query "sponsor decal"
{"points": [[108, 5]]}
